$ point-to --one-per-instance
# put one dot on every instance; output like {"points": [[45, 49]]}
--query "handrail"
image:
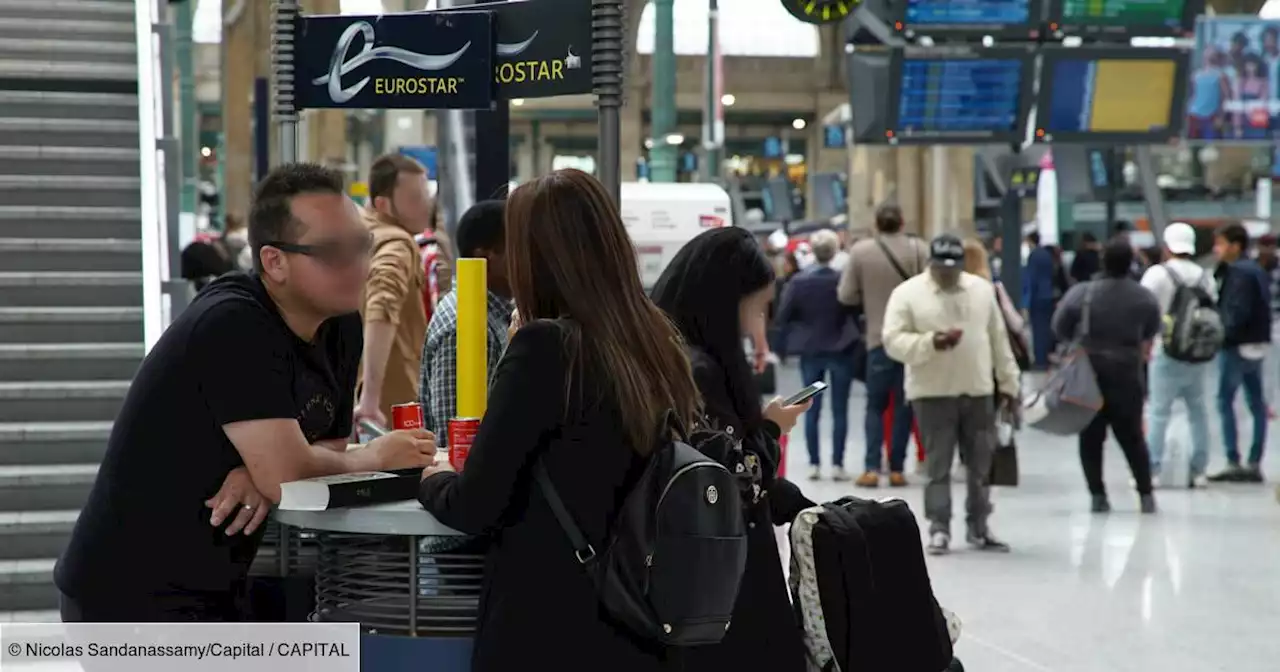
{"points": [[151, 172]]}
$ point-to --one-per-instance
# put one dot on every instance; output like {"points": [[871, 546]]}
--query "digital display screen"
{"points": [[1110, 95], [924, 13], [960, 96], [1124, 12]]}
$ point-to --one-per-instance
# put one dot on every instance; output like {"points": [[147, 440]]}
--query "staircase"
{"points": [[70, 272]]}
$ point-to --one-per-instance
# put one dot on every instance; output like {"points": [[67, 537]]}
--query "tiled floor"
{"points": [[1193, 589]]}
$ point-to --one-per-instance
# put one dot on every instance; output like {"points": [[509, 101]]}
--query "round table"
{"points": [[411, 582]]}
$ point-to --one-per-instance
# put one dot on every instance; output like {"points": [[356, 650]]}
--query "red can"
{"points": [[406, 416], [462, 433]]}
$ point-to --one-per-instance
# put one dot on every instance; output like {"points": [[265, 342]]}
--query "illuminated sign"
{"points": [[417, 61], [544, 47]]}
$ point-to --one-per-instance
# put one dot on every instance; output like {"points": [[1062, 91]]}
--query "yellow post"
{"points": [[473, 342]]}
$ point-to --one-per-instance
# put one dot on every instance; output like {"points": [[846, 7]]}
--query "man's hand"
{"points": [[404, 449], [239, 501], [954, 336], [438, 468], [941, 340], [367, 409]]}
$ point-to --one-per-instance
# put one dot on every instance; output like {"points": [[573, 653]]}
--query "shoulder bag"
{"points": [[1071, 397]]}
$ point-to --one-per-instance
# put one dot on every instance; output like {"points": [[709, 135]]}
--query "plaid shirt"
{"points": [[440, 359]]}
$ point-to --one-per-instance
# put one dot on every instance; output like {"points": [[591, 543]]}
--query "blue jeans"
{"points": [[1234, 371], [1168, 381], [814, 368], [1041, 316], [884, 380]]}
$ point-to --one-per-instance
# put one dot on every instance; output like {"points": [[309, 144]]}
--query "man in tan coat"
{"points": [[395, 322], [874, 268]]}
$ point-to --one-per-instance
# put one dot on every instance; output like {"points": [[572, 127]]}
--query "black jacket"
{"points": [[764, 634], [538, 608], [1245, 302]]}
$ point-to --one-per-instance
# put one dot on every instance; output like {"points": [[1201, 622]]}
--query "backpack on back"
{"points": [[672, 566], [1193, 329], [862, 590]]}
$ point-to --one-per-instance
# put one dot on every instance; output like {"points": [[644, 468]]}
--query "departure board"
{"points": [[1115, 93], [1124, 12], [978, 97], [924, 13]]}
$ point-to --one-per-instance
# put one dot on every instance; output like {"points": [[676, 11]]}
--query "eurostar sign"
{"points": [[420, 60]]}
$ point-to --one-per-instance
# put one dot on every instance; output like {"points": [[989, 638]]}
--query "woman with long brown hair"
{"points": [[582, 387]]}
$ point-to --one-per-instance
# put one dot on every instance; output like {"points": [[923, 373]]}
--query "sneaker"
{"points": [[1100, 504], [986, 542], [1155, 482], [868, 479], [1147, 503], [839, 474], [939, 544], [1252, 474], [1234, 473], [1198, 481], [815, 473]]}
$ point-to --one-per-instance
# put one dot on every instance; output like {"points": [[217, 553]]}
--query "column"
{"points": [[326, 129], [662, 157], [872, 178], [820, 159], [238, 70], [189, 136]]}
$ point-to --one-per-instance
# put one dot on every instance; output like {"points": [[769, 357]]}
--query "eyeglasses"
{"points": [[332, 253]]}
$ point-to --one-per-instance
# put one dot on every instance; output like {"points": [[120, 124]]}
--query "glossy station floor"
{"points": [[1195, 588]]}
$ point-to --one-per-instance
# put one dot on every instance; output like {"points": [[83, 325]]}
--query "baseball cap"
{"points": [[1180, 238], [946, 250]]}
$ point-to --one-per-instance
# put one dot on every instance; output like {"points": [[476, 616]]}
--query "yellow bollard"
{"points": [[473, 343]]}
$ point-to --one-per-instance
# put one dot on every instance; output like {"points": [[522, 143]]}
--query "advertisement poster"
{"points": [[1234, 89]]}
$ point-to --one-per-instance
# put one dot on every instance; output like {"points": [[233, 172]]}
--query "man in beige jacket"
{"points": [[946, 327], [874, 268], [395, 322]]}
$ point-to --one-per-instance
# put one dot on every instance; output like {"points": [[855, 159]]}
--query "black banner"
{"points": [[544, 47], [422, 60]]}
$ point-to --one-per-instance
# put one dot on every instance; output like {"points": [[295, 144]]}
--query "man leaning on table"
{"points": [[250, 387]]}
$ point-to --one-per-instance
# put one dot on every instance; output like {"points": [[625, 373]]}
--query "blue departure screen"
{"points": [[962, 97], [968, 12]]}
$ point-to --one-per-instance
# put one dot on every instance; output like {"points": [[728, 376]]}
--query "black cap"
{"points": [[946, 250]]}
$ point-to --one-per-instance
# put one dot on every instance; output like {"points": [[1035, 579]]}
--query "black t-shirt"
{"points": [[228, 357]]}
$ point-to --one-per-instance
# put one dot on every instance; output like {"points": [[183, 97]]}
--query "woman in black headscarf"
{"points": [[716, 290]]}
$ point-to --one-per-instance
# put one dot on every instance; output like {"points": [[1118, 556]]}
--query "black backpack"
{"points": [[1192, 328], [671, 569], [862, 592]]}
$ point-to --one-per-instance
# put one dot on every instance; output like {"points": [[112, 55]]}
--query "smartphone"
{"points": [[806, 394]]}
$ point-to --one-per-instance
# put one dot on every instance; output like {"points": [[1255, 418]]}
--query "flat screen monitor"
{"points": [[957, 18], [946, 95], [1233, 89], [1114, 94], [1124, 18]]}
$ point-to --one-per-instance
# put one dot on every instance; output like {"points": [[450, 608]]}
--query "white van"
{"points": [[661, 218]]}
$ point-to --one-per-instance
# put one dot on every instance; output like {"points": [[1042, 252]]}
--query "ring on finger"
{"points": [[248, 506]]}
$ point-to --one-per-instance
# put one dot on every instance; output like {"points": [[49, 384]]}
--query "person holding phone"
{"points": [[946, 327], [717, 289]]}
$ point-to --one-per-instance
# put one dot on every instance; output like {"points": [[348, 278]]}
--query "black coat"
{"points": [[764, 634], [538, 608]]}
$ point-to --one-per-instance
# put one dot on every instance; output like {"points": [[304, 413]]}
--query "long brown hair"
{"points": [[569, 255]]}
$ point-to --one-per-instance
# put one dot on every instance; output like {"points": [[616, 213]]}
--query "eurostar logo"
{"points": [[344, 62]]}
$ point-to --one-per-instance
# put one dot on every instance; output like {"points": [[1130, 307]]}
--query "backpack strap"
{"points": [[582, 548]]}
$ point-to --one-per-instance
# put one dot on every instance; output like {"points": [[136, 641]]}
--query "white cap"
{"points": [[1180, 238]]}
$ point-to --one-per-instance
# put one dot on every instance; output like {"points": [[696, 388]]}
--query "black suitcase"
{"points": [[874, 588]]}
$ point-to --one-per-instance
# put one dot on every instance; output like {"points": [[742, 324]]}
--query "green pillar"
{"points": [[662, 107], [183, 16]]}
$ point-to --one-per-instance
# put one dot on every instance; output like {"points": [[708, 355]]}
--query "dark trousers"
{"points": [[1041, 316], [1122, 392], [814, 368], [1235, 372], [168, 608], [884, 383]]}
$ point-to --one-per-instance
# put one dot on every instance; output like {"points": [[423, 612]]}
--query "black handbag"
{"points": [[1004, 465]]}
